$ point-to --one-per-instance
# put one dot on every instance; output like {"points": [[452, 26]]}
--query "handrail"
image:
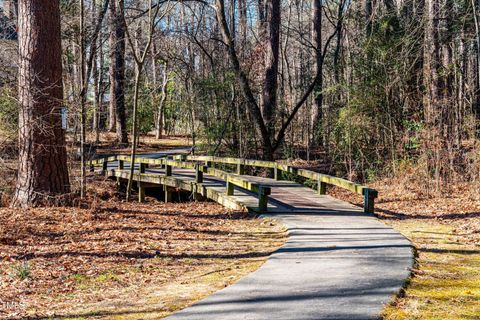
{"points": [[191, 162], [322, 180], [230, 179]]}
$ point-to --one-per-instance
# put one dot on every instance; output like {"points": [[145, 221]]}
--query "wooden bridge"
{"points": [[259, 186], [338, 262]]}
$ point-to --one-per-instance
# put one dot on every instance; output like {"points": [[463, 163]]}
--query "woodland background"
{"points": [[394, 84]]}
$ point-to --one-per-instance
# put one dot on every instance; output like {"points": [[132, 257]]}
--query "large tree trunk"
{"points": [[117, 72], [42, 166], [272, 45]]}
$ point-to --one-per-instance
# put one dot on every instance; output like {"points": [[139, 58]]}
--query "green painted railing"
{"points": [[208, 165]]}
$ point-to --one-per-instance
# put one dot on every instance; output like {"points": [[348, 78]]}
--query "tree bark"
{"points": [[117, 72], [161, 105], [318, 99], [251, 102], [476, 19], [42, 166], [270, 83]]}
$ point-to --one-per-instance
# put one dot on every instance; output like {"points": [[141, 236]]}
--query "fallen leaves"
{"points": [[54, 260]]}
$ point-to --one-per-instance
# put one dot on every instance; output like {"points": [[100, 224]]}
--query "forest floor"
{"points": [[147, 143], [110, 259], [126, 260], [445, 230]]}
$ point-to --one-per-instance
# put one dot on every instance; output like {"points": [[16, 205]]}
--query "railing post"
{"points": [[263, 193], [198, 174], [322, 187], [277, 173], [143, 166], [230, 187], [168, 170], [240, 168], [369, 200]]}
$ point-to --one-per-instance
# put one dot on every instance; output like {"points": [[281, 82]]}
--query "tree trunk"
{"points": [[42, 166], [318, 99], [117, 72], [251, 102], [161, 105], [270, 82], [242, 20], [476, 19], [432, 97]]}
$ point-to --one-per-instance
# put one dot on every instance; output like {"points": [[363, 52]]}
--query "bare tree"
{"points": [[139, 58]]}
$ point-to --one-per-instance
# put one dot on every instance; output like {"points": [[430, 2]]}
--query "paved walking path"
{"points": [[338, 263]]}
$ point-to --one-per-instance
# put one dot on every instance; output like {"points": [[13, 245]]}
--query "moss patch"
{"points": [[446, 281]]}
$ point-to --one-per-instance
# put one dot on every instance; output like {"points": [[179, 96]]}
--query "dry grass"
{"points": [[115, 259]]}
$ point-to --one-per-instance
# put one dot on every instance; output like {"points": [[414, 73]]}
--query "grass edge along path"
{"points": [[445, 283]]}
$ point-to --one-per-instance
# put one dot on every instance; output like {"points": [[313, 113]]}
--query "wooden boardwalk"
{"points": [[214, 178], [340, 262]]}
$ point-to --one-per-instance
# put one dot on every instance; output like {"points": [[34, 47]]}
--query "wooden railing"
{"points": [[322, 180], [209, 165], [230, 179]]}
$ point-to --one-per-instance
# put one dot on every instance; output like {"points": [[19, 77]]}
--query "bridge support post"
{"points": [[121, 166], [197, 196], [141, 192], [168, 194], [369, 196]]}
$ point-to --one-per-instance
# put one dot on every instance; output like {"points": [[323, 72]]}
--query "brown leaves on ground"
{"points": [[54, 261], [458, 206]]}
